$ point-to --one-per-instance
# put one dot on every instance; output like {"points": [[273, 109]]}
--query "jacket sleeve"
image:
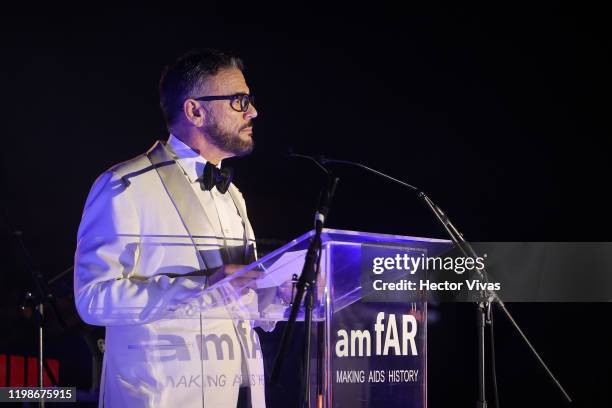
{"points": [[265, 296], [108, 288]]}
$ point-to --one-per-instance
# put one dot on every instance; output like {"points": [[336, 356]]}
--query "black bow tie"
{"points": [[212, 176]]}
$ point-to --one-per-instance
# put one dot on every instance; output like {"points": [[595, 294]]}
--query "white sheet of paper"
{"points": [[283, 269]]}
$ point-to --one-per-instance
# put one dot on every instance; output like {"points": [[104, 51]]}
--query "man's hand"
{"points": [[246, 279]]}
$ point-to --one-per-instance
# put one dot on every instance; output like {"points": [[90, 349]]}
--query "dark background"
{"points": [[498, 112]]}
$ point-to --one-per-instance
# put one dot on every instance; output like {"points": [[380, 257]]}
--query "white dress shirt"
{"points": [[228, 225]]}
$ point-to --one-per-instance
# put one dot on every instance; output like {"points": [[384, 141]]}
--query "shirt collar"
{"points": [[188, 160]]}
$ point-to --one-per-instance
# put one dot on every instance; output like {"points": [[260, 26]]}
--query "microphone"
{"points": [[325, 200], [326, 196], [452, 231], [325, 160]]}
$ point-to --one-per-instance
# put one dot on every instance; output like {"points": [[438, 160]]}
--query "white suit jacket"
{"points": [[133, 246]]}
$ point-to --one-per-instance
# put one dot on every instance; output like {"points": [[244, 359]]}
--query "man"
{"points": [[159, 229]]}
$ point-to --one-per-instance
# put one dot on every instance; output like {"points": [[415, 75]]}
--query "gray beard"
{"points": [[228, 141]]}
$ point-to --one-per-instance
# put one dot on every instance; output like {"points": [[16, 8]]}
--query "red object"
{"points": [[20, 375], [53, 365], [3, 370], [32, 373], [17, 371]]}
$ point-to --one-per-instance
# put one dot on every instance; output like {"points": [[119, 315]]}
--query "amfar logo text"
{"points": [[210, 346], [359, 342]]}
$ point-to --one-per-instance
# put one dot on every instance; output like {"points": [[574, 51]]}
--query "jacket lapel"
{"points": [[195, 219], [250, 248]]}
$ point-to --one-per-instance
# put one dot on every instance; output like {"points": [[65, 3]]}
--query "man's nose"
{"points": [[251, 113]]}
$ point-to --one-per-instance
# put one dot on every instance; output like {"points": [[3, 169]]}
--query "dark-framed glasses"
{"points": [[239, 102]]}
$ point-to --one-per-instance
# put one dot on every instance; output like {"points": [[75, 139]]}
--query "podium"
{"points": [[370, 346]]}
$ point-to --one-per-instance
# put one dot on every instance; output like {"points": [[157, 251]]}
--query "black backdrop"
{"points": [[496, 111]]}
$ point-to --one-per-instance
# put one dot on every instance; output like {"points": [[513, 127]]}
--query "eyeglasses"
{"points": [[239, 102]]}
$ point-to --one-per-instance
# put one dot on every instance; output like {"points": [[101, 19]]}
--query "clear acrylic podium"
{"points": [[370, 346]]}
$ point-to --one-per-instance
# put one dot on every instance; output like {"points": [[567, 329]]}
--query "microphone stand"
{"points": [[306, 286], [486, 296], [37, 302]]}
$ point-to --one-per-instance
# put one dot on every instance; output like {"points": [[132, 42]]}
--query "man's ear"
{"points": [[194, 112]]}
